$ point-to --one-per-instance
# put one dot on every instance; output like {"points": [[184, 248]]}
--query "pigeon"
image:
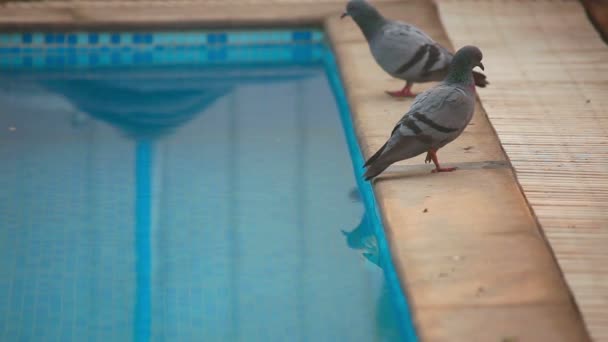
{"points": [[436, 117], [401, 49]]}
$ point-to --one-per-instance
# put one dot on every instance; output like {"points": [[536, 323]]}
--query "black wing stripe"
{"points": [[415, 59], [433, 124], [409, 123], [434, 54]]}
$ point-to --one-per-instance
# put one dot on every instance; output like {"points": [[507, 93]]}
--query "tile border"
{"points": [[65, 49]]}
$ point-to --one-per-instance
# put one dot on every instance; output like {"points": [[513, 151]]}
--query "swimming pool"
{"points": [[186, 186]]}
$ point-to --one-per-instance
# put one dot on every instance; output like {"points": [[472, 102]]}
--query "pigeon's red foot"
{"points": [[444, 169], [405, 92], [432, 156]]}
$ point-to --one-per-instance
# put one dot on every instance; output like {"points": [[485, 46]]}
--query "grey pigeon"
{"points": [[437, 117], [402, 50]]}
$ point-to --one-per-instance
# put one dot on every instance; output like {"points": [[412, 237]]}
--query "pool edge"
{"points": [[542, 310], [399, 294]]}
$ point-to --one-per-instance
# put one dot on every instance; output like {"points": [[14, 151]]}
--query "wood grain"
{"points": [[548, 101]]}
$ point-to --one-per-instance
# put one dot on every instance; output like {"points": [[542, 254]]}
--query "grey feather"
{"points": [[436, 117], [402, 50]]}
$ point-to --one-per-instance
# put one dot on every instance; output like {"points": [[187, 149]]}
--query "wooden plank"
{"points": [[547, 101]]}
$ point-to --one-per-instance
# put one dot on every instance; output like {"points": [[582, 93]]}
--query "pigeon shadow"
{"points": [[420, 170]]}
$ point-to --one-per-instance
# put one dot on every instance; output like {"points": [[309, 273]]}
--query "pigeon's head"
{"points": [[468, 57], [359, 9]]}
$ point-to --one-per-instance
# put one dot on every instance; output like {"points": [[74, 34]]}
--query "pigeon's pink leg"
{"points": [[428, 158], [433, 154], [405, 92]]}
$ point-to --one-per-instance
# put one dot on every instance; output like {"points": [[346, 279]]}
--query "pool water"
{"points": [[188, 194]]}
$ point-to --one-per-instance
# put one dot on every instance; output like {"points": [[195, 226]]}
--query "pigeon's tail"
{"points": [[480, 79], [401, 147], [375, 169], [371, 169], [376, 163], [376, 155]]}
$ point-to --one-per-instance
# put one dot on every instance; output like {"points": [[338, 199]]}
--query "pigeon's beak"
{"points": [[345, 14], [481, 66]]}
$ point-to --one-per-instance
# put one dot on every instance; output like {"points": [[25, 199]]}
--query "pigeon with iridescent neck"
{"points": [[403, 50], [436, 118]]}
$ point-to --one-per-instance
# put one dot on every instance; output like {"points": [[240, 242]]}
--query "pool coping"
{"points": [[443, 249]]}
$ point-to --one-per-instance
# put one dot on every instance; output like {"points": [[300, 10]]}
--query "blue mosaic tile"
{"points": [[217, 38], [188, 38], [302, 53], [238, 38], [56, 61], [49, 38], [37, 38], [104, 38], [93, 59], [55, 50], [13, 49], [38, 61], [72, 59], [185, 46], [217, 54], [164, 38], [301, 36], [138, 38], [127, 59], [178, 39], [126, 38], [142, 57], [72, 39], [26, 38], [115, 38], [283, 37], [104, 59], [59, 38], [115, 58], [82, 38], [28, 61], [13, 38], [93, 38], [5, 60], [317, 36]]}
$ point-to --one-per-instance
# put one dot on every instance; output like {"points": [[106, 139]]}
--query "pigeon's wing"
{"points": [[440, 113], [405, 51]]}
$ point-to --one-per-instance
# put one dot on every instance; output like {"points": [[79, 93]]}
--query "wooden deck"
{"points": [[548, 103]]}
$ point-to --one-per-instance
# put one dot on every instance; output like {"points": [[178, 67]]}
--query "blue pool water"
{"points": [[193, 186]]}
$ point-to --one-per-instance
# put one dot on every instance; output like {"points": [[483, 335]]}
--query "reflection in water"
{"points": [[144, 109], [139, 112], [354, 195], [363, 238], [179, 230]]}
